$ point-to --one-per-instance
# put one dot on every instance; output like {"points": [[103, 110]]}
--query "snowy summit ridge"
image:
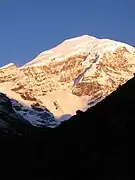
{"points": [[82, 44]]}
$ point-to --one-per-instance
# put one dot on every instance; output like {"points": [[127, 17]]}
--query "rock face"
{"points": [[10, 121], [9, 73], [37, 114], [82, 70], [12, 113]]}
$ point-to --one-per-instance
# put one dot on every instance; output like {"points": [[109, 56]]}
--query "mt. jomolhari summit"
{"points": [[78, 81], [74, 75]]}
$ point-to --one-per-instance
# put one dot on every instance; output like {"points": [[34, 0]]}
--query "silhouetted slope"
{"points": [[99, 141]]}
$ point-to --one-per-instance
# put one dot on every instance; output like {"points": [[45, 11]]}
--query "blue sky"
{"points": [[28, 27]]}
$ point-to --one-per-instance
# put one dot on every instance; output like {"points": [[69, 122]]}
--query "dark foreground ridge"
{"points": [[98, 142]]}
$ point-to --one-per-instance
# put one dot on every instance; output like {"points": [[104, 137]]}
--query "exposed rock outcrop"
{"points": [[15, 114]]}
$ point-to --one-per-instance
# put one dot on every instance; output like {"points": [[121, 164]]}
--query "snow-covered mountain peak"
{"points": [[79, 45], [74, 75], [80, 38]]}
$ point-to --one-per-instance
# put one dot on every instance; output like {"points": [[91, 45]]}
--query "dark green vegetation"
{"points": [[98, 142]]}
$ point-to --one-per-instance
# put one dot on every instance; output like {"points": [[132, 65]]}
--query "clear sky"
{"points": [[28, 27]]}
